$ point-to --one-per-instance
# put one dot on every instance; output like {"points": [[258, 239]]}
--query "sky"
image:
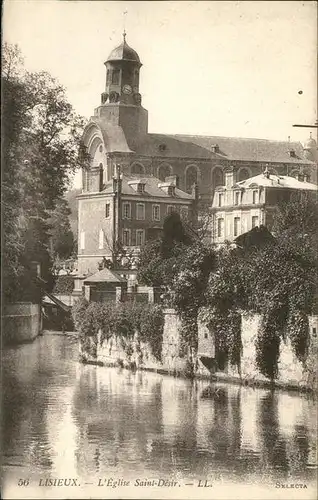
{"points": [[233, 68]]}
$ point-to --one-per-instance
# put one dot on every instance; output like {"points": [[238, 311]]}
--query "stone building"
{"points": [[239, 206], [129, 209], [117, 134]]}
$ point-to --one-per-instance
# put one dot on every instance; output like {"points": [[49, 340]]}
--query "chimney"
{"points": [[173, 179], [230, 177], [266, 172], [300, 176]]}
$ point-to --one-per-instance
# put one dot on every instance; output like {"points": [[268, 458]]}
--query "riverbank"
{"points": [[215, 377]]}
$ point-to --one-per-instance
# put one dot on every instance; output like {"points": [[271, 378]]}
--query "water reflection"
{"points": [[62, 417]]}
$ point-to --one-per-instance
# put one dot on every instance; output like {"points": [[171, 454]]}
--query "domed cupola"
{"points": [[310, 143], [122, 76], [310, 149], [124, 53]]}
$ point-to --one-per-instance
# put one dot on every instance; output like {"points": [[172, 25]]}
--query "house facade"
{"points": [[129, 210], [240, 206]]}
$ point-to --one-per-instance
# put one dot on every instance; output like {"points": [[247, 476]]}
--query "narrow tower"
{"points": [[121, 100]]}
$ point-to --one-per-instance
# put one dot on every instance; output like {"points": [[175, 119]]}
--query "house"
{"points": [[240, 206]]}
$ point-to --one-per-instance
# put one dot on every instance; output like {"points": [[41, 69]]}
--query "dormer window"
{"points": [[162, 147], [215, 148], [138, 185], [292, 153], [168, 187], [141, 188]]}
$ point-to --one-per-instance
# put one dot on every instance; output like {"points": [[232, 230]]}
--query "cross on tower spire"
{"points": [[124, 22]]}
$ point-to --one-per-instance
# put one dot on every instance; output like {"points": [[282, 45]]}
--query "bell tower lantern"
{"points": [[122, 75]]}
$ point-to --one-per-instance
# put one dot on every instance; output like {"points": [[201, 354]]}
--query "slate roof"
{"points": [[123, 53], [113, 135], [279, 181], [151, 188], [105, 275], [230, 148]]}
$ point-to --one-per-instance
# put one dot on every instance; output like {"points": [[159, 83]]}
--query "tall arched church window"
{"points": [[164, 171], [191, 178], [217, 177], [137, 168], [243, 174]]}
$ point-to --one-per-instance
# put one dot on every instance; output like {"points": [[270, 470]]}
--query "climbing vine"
{"points": [[122, 320]]}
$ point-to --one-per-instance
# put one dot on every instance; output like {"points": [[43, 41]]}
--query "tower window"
{"points": [[115, 76], [108, 77], [107, 210]]}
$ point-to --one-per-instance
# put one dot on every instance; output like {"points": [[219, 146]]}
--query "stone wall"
{"points": [[136, 354], [21, 322]]}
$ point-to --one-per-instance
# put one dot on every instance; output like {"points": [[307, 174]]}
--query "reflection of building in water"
{"points": [[118, 414], [249, 402]]}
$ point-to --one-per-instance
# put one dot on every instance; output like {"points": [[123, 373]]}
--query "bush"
{"points": [[64, 285]]}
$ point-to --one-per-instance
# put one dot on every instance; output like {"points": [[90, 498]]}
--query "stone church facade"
{"points": [[118, 134]]}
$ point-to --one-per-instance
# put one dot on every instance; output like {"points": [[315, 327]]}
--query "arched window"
{"points": [[191, 177], [217, 177], [137, 168], [164, 171], [243, 174]]}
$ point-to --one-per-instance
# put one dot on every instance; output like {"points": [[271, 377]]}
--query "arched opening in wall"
{"points": [[191, 177], [137, 169], [217, 177], [164, 171], [243, 174]]}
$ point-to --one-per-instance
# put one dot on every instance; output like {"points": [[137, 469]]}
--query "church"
{"points": [[117, 135]]}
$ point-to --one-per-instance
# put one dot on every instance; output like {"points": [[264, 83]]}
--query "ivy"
{"points": [[121, 320]]}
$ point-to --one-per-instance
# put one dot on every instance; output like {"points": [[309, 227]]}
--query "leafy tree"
{"points": [[40, 142], [62, 239]]}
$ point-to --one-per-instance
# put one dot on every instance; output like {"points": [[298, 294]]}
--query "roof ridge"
{"points": [[227, 137]]}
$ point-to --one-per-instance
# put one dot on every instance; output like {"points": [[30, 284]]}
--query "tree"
{"points": [[62, 239], [40, 141]]}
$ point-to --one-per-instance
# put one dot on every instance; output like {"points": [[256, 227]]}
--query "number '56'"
{"points": [[23, 482]]}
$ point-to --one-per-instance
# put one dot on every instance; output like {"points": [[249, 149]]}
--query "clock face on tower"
{"points": [[127, 89]]}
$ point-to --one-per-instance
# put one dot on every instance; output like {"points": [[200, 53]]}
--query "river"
{"points": [[96, 425]]}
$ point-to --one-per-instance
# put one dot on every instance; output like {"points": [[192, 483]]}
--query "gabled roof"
{"points": [[151, 188], [105, 276], [278, 181], [229, 148]]}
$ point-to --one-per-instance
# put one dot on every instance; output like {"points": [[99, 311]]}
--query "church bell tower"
{"points": [[121, 100]]}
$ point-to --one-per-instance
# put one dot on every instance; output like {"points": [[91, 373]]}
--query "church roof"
{"points": [[277, 181], [228, 148], [123, 53], [113, 135]]}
